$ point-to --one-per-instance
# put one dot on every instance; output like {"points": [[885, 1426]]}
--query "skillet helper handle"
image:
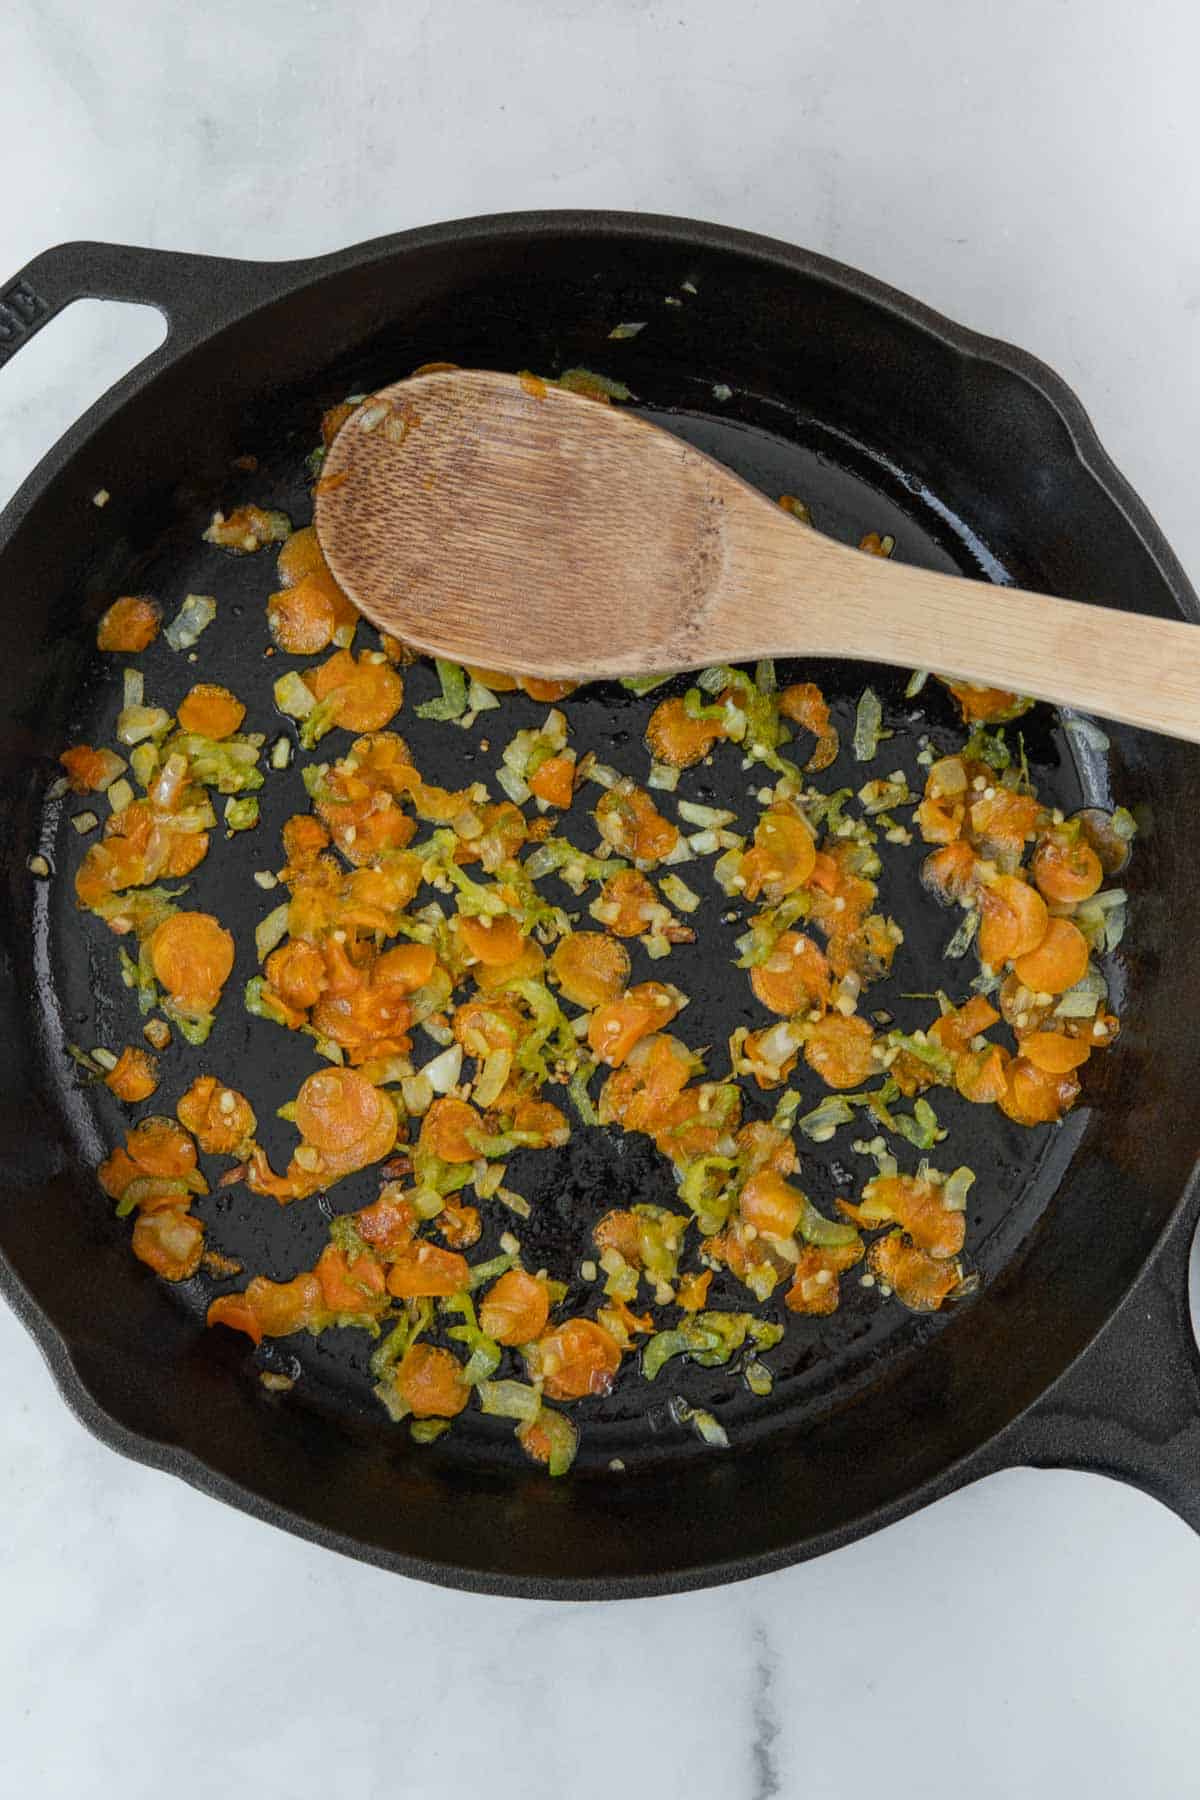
{"points": [[1130, 1406], [193, 292]]}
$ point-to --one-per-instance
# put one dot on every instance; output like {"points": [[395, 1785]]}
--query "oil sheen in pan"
{"points": [[821, 1363]]}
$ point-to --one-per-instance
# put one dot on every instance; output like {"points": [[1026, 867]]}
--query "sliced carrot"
{"points": [[540, 1121], [915, 1204], [427, 1271], [954, 1030], [986, 705], [922, 1282], [575, 1359], [981, 1076], [675, 738], [546, 691], [590, 967], [366, 695], [169, 1241], [211, 711], [459, 1226], [515, 1308], [554, 781], [841, 1051], [630, 897], [304, 838], [805, 704], [771, 1205], [1034, 1097], [527, 966], [405, 967], [337, 1108], [1054, 1053], [347, 1286], [491, 940], [220, 1119], [629, 820], [161, 1147], [389, 1222], [428, 1380], [794, 978], [494, 679], [782, 859], [192, 956], [1067, 871], [814, 1288], [691, 1293], [130, 624], [135, 1076], [1059, 961], [1013, 920], [90, 771], [950, 872], [296, 972], [616, 1026], [270, 1308], [447, 1128], [1007, 818]]}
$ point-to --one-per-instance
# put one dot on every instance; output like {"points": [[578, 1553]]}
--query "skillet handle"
{"points": [[194, 292], [1129, 1407]]}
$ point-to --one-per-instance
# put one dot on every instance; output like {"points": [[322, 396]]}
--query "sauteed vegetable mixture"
{"points": [[459, 1012]]}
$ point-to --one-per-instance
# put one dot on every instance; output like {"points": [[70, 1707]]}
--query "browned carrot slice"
{"points": [[130, 624], [428, 1379], [515, 1308], [447, 1127], [489, 940], [1067, 871], [211, 711], [169, 1241], [135, 1076], [1058, 962], [590, 967], [920, 1281], [337, 1108], [575, 1359], [771, 1205], [616, 1026], [270, 1308], [554, 781], [840, 1050], [350, 1286], [1054, 1053], [220, 1119], [90, 771], [675, 738], [192, 955], [427, 1271], [629, 897], [794, 978]]}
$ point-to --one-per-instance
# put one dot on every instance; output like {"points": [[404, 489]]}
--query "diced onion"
{"points": [[496, 1070], [417, 1093], [443, 1072], [707, 816], [293, 696], [194, 616], [270, 931]]}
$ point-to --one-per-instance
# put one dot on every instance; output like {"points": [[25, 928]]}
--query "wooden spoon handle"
{"points": [[1127, 666]]}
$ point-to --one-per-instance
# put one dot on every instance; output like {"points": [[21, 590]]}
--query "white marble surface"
{"points": [[1030, 170]]}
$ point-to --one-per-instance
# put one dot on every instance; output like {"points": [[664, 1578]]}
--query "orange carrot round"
{"points": [[192, 955], [577, 1358], [1059, 961], [211, 711], [1013, 921], [794, 977], [1054, 1053], [336, 1108], [840, 1050], [515, 1308], [590, 967], [130, 624], [675, 738], [447, 1127], [771, 1205], [554, 781], [169, 1241], [1066, 872], [491, 941], [426, 1271], [135, 1076], [429, 1380], [219, 1118], [631, 894]]}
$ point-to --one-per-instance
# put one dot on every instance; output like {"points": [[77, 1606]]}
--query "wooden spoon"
{"points": [[495, 520]]}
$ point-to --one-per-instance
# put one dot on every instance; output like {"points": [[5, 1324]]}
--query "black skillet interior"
{"points": [[877, 423]]}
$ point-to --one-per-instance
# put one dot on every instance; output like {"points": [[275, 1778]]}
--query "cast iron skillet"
{"points": [[1077, 1351]]}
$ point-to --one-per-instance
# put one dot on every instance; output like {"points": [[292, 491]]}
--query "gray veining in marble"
{"points": [[1030, 170]]}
